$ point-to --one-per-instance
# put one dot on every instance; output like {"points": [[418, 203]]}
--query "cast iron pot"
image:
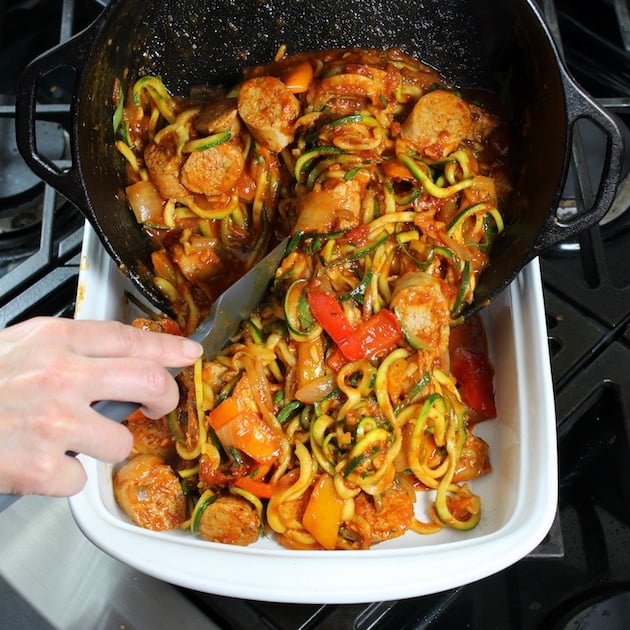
{"points": [[474, 43]]}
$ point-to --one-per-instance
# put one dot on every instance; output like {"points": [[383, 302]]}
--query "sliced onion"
{"points": [[145, 202], [317, 389]]}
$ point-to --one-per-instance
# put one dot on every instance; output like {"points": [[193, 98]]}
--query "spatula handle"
{"points": [[6, 500], [114, 409]]}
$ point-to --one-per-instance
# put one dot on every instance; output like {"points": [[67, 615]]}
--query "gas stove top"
{"points": [[579, 577], [40, 232]]}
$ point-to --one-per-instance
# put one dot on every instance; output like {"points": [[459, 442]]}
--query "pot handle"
{"points": [[72, 54], [581, 105]]}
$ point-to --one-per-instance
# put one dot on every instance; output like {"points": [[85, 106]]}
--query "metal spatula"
{"points": [[229, 309]]}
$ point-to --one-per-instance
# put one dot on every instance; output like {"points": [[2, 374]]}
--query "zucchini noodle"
{"points": [[337, 401]]}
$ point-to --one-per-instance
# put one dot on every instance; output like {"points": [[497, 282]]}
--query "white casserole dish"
{"points": [[518, 497]]}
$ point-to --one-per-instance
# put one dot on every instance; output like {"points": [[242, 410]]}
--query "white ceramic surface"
{"points": [[518, 497]]}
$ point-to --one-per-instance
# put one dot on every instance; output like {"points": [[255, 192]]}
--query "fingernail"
{"points": [[192, 349]]}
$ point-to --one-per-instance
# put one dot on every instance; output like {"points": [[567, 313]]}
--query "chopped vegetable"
{"points": [[380, 333], [225, 412], [145, 201], [249, 433], [204, 501], [260, 489], [298, 77], [328, 312], [322, 517], [377, 335], [297, 315], [237, 425], [472, 368], [474, 375]]}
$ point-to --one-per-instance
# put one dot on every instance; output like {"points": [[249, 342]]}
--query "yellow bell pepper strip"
{"points": [[322, 517]]}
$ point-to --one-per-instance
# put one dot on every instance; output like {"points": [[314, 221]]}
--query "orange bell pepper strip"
{"points": [[249, 433], [298, 77], [322, 517], [238, 426], [224, 412]]}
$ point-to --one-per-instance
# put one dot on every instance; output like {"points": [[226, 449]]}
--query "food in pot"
{"points": [[346, 392]]}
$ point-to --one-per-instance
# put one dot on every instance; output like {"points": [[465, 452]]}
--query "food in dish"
{"points": [[355, 385]]}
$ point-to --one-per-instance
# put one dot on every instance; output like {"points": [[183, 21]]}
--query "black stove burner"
{"points": [[608, 611], [21, 192], [18, 184]]}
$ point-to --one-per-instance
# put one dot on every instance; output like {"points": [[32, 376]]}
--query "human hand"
{"points": [[51, 371]]}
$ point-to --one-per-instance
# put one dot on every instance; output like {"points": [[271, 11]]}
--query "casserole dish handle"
{"points": [[65, 178], [580, 105]]}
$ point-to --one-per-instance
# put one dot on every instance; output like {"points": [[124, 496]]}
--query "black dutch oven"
{"points": [[474, 43]]}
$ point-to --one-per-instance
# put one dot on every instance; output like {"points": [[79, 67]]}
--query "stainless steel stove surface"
{"points": [[579, 577]]}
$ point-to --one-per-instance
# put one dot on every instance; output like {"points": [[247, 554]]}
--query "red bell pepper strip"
{"points": [[258, 488], [330, 316], [358, 235], [378, 334], [381, 332], [474, 375], [471, 367]]}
